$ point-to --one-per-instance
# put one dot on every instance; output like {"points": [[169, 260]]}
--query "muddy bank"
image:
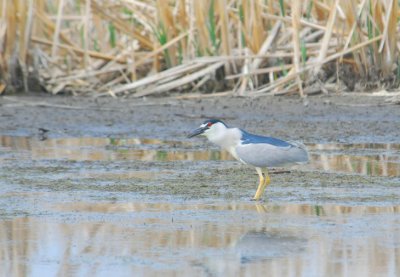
{"points": [[337, 118]]}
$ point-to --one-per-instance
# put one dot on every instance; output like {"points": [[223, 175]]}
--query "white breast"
{"points": [[227, 138]]}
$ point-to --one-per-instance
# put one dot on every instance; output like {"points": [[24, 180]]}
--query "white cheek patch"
{"points": [[203, 125]]}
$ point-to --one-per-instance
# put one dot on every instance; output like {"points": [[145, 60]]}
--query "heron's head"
{"points": [[209, 128]]}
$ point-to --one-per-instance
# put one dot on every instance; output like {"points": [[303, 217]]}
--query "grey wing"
{"points": [[267, 155]]}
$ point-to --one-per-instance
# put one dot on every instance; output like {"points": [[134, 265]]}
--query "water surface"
{"points": [[377, 159]]}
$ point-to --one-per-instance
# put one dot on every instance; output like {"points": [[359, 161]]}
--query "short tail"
{"points": [[302, 154]]}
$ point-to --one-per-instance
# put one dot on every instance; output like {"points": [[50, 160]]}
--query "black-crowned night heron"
{"points": [[258, 151]]}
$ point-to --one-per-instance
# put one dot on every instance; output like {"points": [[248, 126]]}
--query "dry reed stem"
{"points": [[262, 52], [327, 37], [181, 81], [175, 71], [80, 51], [296, 43], [57, 30], [309, 66]]}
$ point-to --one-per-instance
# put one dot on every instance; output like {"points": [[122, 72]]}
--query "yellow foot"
{"points": [[261, 187], [259, 192]]}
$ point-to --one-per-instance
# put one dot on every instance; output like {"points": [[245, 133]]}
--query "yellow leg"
{"points": [[261, 185], [267, 179], [264, 182]]}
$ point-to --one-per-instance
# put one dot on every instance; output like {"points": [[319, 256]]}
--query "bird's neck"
{"points": [[227, 138]]}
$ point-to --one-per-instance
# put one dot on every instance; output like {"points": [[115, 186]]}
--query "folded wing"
{"points": [[270, 152]]}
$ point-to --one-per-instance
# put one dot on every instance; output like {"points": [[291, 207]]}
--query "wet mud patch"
{"points": [[198, 180], [342, 173]]}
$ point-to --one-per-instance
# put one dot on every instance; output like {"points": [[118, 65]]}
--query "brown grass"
{"points": [[154, 47]]}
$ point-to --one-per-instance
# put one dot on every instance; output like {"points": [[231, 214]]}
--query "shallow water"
{"points": [[189, 238], [123, 207], [376, 159]]}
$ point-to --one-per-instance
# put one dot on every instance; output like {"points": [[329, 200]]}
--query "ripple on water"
{"points": [[375, 159]]}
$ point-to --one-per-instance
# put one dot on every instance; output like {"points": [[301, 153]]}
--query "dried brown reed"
{"points": [[151, 47]]}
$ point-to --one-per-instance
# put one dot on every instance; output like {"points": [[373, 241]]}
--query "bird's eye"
{"points": [[209, 124]]}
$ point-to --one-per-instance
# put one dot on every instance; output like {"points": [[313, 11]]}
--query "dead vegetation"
{"points": [[152, 47]]}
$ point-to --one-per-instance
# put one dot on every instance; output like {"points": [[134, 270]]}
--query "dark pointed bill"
{"points": [[197, 132]]}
